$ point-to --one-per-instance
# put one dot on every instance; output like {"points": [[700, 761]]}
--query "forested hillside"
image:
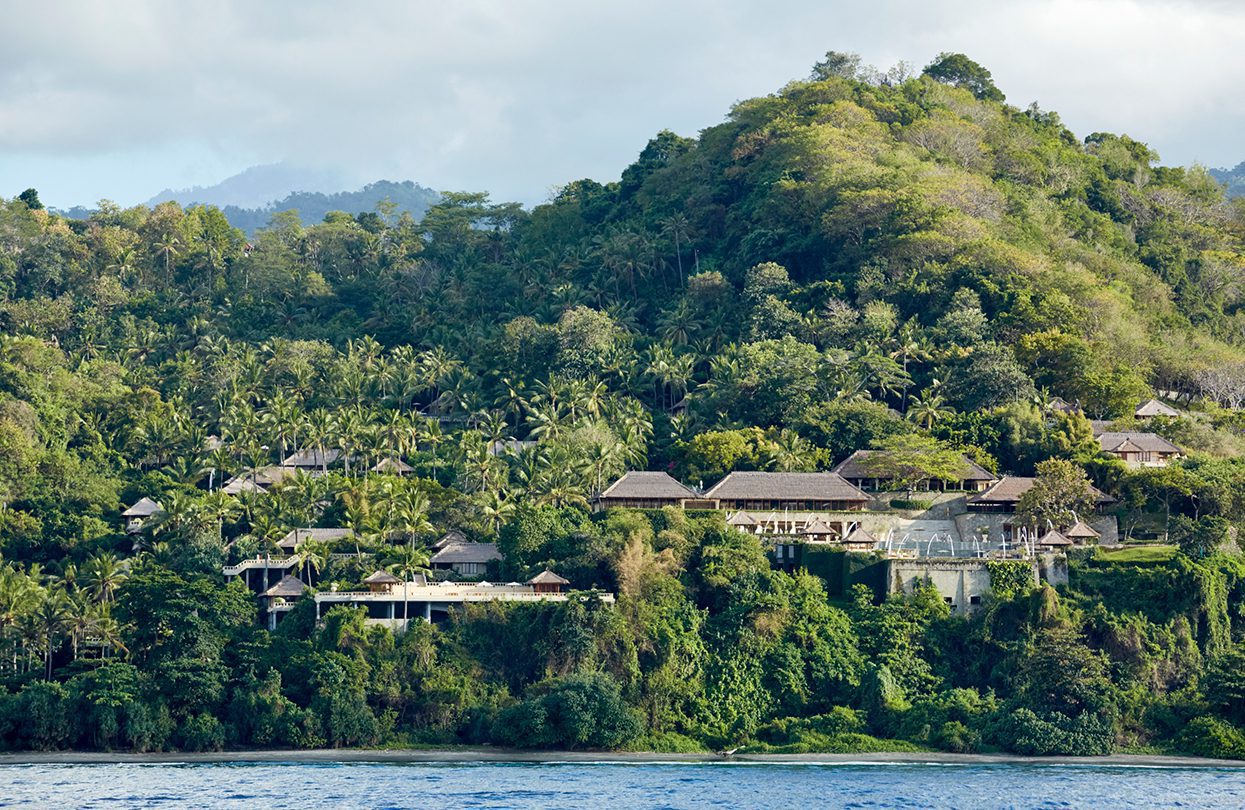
{"points": [[1233, 179], [854, 258]]}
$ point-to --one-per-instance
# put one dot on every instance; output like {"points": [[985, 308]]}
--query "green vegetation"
{"points": [[859, 261]]}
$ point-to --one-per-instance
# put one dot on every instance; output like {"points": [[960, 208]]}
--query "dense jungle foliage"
{"points": [[857, 257]]}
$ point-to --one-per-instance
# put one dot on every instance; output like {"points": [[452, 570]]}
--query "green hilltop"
{"points": [[859, 261]]}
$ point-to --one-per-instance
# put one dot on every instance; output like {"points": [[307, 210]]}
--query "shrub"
{"points": [[201, 732], [913, 504], [1212, 737], [1053, 733], [44, 715], [577, 711]]}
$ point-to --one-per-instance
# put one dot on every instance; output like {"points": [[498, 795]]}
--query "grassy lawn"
{"points": [[1139, 554]]}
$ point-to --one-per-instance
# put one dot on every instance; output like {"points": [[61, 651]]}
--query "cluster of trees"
{"points": [[862, 260], [707, 646]]}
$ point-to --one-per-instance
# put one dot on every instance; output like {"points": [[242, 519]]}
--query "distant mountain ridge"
{"points": [[1234, 179], [311, 205], [407, 196], [255, 187]]}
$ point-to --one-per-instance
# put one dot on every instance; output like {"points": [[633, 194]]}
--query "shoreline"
{"points": [[506, 756]]}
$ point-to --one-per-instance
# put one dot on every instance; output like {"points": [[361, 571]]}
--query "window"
{"points": [[974, 600], [947, 599]]}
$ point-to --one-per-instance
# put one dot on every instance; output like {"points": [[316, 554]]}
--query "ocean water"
{"points": [[611, 785]]}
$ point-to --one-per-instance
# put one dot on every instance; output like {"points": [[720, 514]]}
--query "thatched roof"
{"points": [[854, 466], [741, 518], [1080, 530], [312, 458], [381, 578], [296, 537], [145, 507], [450, 537], [393, 466], [288, 587], [644, 485], [1062, 405], [1152, 407], [1135, 442], [1053, 538], [785, 486], [547, 577], [1011, 487], [466, 553], [859, 537], [817, 527]]}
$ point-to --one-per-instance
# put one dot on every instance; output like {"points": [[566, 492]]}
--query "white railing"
{"points": [[258, 562]]}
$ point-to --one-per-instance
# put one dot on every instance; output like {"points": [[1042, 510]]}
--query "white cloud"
{"points": [[515, 97]]}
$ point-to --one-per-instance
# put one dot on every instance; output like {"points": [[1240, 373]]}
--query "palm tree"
{"points": [[313, 558], [50, 620], [496, 509], [80, 618], [926, 412], [675, 227], [102, 575], [168, 247], [407, 562]]}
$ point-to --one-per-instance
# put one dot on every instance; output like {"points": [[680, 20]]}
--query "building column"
{"points": [[428, 612]]}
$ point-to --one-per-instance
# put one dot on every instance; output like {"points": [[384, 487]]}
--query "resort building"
{"points": [[296, 537], [258, 573], [393, 466], [453, 536], [971, 477], [279, 599], [1152, 408], [759, 491], [394, 603], [262, 479], [137, 515], [312, 459], [1004, 496], [1137, 449], [465, 559], [644, 490]]}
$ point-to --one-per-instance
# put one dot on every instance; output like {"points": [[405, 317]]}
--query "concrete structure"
{"points": [[964, 583], [260, 572], [432, 602], [279, 599]]}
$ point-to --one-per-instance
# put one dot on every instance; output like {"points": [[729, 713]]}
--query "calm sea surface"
{"points": [[305, 785]]}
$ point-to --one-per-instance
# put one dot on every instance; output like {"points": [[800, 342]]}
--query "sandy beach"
{"points": [[548, 757]]}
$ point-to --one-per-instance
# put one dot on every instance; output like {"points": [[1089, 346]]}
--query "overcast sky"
{"points": [[125, 98]]}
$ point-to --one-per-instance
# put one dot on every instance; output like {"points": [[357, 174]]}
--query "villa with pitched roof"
{"points": [[296, 537], [1139, 449], [1004, 496], [465, 559], [807, 491], [1152, 408], [391, 602], [640, 489], [136, 516], [971, 477]]}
